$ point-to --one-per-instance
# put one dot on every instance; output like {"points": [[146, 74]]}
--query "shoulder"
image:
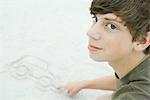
{"points": [[135, 85], [131, 96], [137, 90]]}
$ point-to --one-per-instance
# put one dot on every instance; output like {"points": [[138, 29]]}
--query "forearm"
{"points": [[104, 83]]}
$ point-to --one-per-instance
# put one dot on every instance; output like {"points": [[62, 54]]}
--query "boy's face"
{"points": [[109, 39]]}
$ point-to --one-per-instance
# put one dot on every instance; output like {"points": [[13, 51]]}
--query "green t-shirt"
{"points": [[136, 84]]}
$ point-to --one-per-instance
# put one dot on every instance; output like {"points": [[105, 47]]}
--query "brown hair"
{"points": [[135, 13]]}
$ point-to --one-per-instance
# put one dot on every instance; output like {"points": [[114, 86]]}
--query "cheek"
{"points": [[117, 49]]}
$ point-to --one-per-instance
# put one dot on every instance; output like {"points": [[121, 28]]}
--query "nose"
{"points": [[94, 33]]}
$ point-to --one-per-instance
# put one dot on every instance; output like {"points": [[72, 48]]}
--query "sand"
{"points": [[45, 39]]}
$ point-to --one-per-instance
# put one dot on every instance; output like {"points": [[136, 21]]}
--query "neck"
{"points": [[125, 65]]}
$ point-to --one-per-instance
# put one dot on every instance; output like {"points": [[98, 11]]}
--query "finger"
{"points": [[72, 92], [61, 87]]}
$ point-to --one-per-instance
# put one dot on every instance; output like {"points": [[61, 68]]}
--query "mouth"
{"points": [[93, 48]]}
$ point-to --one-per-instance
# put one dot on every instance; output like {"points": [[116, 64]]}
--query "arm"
{"points": [[105, 83]]}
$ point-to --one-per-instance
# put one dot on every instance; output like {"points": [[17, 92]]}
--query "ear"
{"points": [[142, 44]]}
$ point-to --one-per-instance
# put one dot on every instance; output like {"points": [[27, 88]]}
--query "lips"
{"points": [[93, 48]]}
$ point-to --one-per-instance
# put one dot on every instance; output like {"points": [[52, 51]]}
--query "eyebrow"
{"points": [[117, 20], [112, 19]]}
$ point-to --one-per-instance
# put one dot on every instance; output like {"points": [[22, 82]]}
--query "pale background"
{"points": [[54, 31]]}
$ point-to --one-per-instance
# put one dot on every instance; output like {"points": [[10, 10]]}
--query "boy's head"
{"points": [[135, 13]]}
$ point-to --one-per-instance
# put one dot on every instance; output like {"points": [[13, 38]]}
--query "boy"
{"points": [[120, 35]]}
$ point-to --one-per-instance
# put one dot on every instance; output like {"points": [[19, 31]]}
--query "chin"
{"points": [[97, 59]]}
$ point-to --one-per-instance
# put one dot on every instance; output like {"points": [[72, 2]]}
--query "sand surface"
{"points": [[43, 44]]}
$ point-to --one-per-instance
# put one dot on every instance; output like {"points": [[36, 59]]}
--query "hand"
{"points": [[72, 88]]}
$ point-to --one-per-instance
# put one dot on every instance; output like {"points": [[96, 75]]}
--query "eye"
{"points": [[95, 19], [111, 26]]}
